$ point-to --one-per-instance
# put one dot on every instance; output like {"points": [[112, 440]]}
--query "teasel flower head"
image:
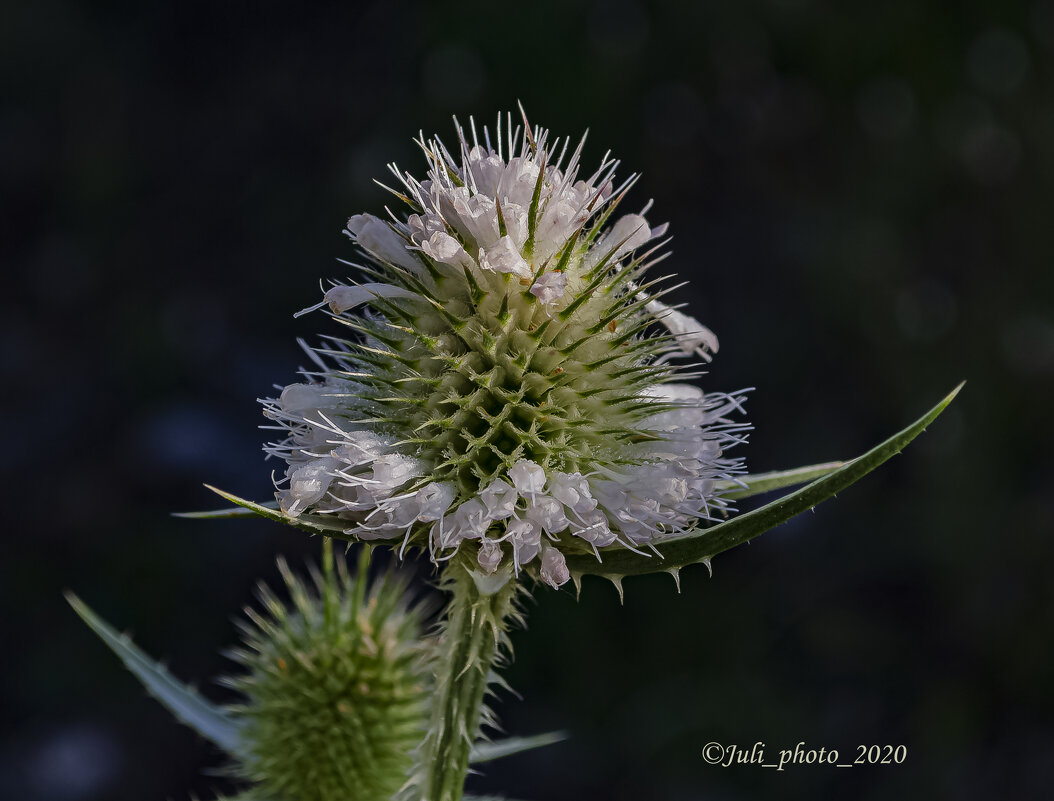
{"points": [[335, 687], [510, 386]]}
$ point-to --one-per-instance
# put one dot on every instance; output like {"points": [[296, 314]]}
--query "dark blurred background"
{"points": [[862, 200]]}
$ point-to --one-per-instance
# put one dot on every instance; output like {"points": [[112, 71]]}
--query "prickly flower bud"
{"points": [[335, 689]]}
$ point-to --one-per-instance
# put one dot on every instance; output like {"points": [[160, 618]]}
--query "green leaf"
{"points": [[315, 524], [766, 482], [184, 702], [703, 545], [218, 514], [487, 752]]}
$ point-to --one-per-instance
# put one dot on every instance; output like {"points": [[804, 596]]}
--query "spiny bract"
{"points": [[335, 689], [509, 386]]}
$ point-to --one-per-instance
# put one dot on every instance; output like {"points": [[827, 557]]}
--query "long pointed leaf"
{"points": [[703, 545], [487, 752], [314, 524], [218, 514], [766, 482], [185, 703]]}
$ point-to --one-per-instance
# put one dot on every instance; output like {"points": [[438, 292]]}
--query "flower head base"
{"points": [[509, 389]]}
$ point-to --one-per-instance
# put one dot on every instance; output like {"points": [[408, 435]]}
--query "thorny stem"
{"points": [[472, 640]]}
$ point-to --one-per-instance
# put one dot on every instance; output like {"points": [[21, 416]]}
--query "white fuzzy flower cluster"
{"points": [[365, 479], [489, 207], [505, 393]]}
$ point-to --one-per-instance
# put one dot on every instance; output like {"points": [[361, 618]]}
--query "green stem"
{"points": [[472, 641], [329, 583]]}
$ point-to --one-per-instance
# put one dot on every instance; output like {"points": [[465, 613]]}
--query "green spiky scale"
{"points": [[532, 213], [537, 332], [504, 316], [476, 294], [502, 227]]}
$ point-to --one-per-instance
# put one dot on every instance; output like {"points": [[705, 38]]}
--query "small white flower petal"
{"points": [[445, 533], [442, 247], [528, 477], [548, 513], [504, 257], [515, 222], [519, 181], [689, 414], [691, 335], [472, 519], [393, 470], [434, 499], [627, 234], [309, 482], [489, 556], [307, 397], [632, 228], [572, 490], [342, 298], [549, 288], [500, 499], [555, 228], [477, 215], [486, 169], [554, 570], [422, 226], [526, 540], [403, 512], [595, 529], [378, 238], [669, 490]]}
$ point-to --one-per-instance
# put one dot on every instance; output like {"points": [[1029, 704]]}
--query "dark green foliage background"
{"points": [[861, 197]]}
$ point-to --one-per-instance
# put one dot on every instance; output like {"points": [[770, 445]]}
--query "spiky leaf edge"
{"points": [[183, 701], [707, 543]]}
